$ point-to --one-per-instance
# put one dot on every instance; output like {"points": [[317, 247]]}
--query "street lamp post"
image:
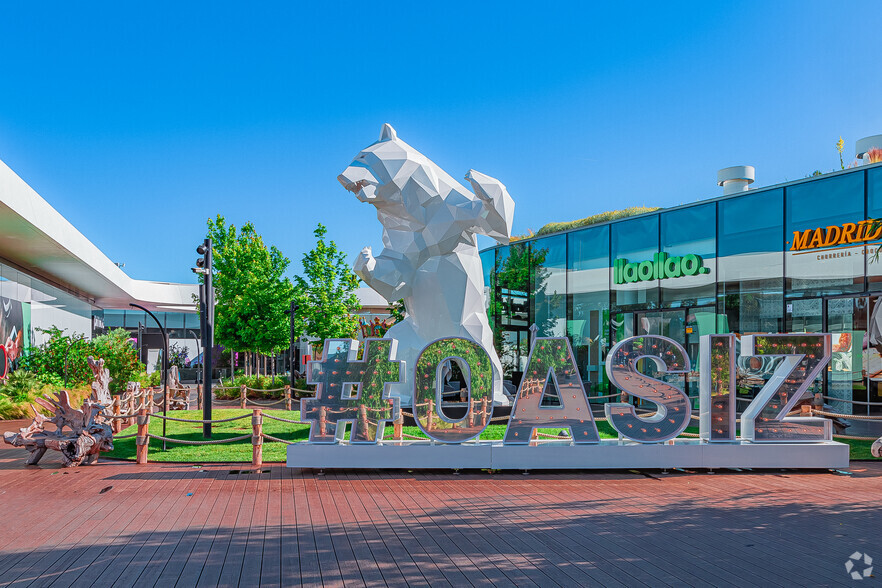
{"points": [[294, 337], [164, 367]]}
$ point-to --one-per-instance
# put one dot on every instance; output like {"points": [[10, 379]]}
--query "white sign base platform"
{"points": [[557, 455]]}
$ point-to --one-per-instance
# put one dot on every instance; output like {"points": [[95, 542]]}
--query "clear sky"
{"points": [[138, 120]]}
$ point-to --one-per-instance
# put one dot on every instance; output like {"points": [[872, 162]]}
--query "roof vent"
{"points": [[863, 146], [736, 178]]}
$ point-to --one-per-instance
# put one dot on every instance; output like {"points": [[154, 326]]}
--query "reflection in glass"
{"points": [[802, 359], [588, 300], [690, 231], [548, 290], [834, 264], [635, 240], [551, 371], [351, 391], [673, 407], [428, 405]]}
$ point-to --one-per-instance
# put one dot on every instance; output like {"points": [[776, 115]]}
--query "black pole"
{"points": [[208, 341], [164, 367], [294, 337]]}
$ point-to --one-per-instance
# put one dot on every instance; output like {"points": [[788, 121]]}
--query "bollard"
{"points": [[199, 396], [288, 398], [398, 427], [142, 440], [257, 438], [242, 396]]}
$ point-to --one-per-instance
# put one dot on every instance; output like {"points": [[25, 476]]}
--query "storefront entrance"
{"points": [[854, 377]]}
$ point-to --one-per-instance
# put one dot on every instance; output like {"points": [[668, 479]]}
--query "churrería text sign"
{"points": [[353, 389]]}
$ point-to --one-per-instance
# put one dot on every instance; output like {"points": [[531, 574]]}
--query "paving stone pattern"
{"points": [[119, 524]]}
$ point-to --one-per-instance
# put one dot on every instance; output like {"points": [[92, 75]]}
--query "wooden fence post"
{"points": [[287, 397], [363, 417], [142, 440], [116, 426], [398, 427], [484, 412], [130, 409], [257, 438], [323, 420], [431, 420], [199, 396], [242, 396]]}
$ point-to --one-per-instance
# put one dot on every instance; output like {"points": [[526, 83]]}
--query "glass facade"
{"points": [[801, 257], [30, 306]]}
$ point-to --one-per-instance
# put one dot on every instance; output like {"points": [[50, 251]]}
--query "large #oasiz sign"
{"points": [[353, 391]]}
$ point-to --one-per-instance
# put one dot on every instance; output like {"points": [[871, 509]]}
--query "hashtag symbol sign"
{"points": [[352, 391]]}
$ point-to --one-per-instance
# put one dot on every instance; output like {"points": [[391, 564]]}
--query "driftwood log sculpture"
{"points": [[79, 434], [179, 395]]}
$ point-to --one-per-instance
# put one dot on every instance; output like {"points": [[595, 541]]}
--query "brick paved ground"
{"points": [[125, 525]]}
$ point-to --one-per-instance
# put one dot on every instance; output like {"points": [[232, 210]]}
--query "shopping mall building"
{"points": [[51, 275], [795, 257]]}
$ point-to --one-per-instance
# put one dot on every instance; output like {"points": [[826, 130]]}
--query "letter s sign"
{"points": [[674, 410]]}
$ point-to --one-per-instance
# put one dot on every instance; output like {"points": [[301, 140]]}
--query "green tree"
{"points": [[325, 294], [251, 290]]}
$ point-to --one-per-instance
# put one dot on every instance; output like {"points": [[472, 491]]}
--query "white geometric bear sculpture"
{"points": [[430, 255]]}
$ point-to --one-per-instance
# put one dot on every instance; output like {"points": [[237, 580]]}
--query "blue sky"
{"points": [[138, 120]]}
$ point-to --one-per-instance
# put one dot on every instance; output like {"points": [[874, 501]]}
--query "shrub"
{"points": [[119, 356], [64, 359], [591, 220], [21, 388]]}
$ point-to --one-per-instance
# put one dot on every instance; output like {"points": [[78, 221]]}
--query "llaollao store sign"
{"points": [[661, 267]]}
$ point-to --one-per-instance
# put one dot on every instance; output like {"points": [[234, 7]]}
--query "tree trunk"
{"points": [[232, 367]]}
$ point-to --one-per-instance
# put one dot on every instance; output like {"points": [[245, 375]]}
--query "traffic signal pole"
{"points": [[207, 323]]}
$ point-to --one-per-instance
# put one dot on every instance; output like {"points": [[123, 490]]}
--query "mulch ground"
{"points": [[120, 524]]}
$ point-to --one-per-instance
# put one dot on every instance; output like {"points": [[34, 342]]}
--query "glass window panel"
{"points": [[511, 298], [488, 266], [823, 220], [874, 211], [634, 241], [173, 320], [133, 317], [751, 263], [549, 285], [114, 319], [191, 321], [588, 301], [688, 245]]}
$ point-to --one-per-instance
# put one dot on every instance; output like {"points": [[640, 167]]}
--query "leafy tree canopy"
{"points": [[251, 291], [325, 293]]}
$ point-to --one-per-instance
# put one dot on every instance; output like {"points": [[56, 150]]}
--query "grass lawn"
{"points": [[240, 451]]}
